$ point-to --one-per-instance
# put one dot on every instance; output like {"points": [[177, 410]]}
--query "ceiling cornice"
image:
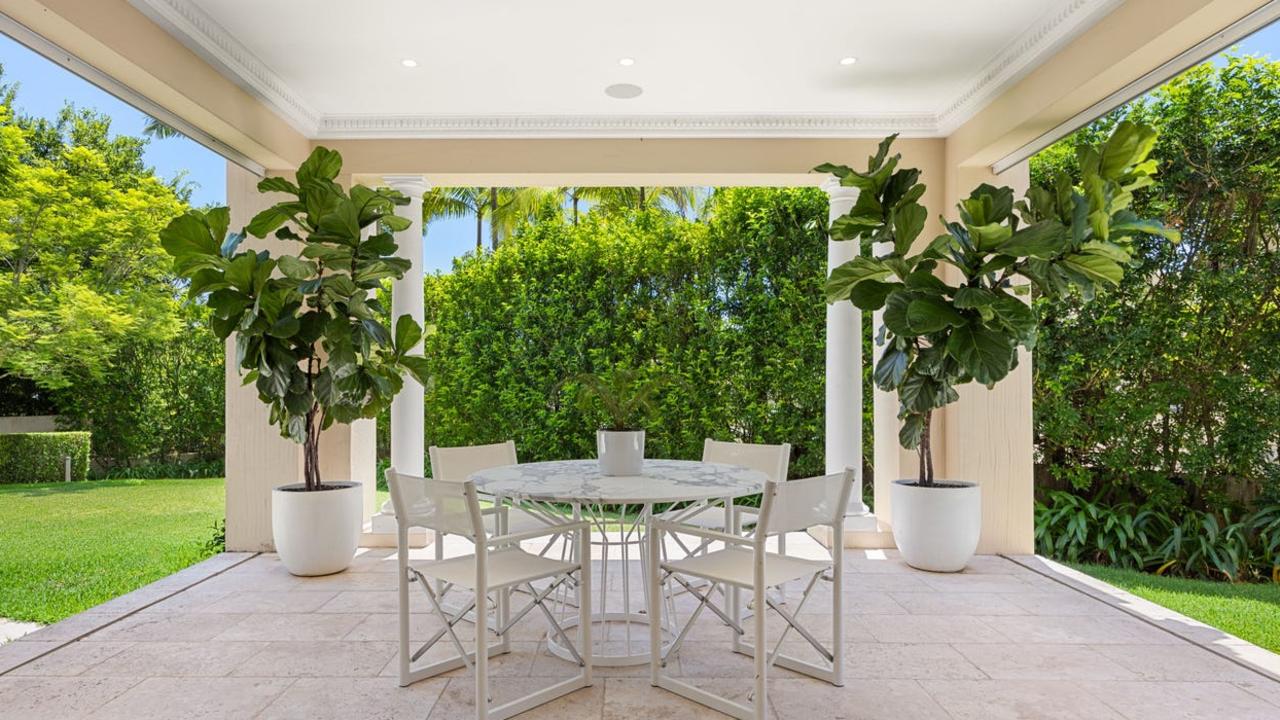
{"points": [[191, 25], [1024, 54], [208, 39], [624, 126]]}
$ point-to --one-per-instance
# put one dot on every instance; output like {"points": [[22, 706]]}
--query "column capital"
{"points": [[411, 185], [834, 190]]}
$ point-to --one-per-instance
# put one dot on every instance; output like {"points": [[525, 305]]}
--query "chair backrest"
{"points": [[456, 464], [441, 505], [772, 460], [801, 504]]}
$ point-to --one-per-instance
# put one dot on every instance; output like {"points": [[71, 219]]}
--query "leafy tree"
{"points": [[83, 272], [1165, 388]]}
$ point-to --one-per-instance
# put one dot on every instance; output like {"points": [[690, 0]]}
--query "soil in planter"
{"points": [[937, 484]]}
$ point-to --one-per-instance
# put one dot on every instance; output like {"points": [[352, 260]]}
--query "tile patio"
{"points": [[238, 637]]}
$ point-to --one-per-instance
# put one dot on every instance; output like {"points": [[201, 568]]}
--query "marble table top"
{"points": [[581, 481]]}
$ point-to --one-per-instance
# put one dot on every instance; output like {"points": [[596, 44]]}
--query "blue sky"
{"points": [[44, 87]]}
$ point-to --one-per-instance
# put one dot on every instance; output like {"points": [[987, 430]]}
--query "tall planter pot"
{"points": [[621, 452], [317, 532], [936, 527]]}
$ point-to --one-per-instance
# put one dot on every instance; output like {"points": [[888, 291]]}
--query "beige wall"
{"points": [[28, 424], [1136, 38], [987, 434], [708, 161]]}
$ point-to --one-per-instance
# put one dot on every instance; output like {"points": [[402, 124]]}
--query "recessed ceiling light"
{"points": [[848, 60], [623, 91], [626, 61], [408, 62]]}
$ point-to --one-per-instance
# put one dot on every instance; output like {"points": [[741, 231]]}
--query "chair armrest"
{"points": [[560, 529], [724, 537]]}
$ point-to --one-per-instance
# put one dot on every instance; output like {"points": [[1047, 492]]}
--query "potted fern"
{"points": [[626, 395], [952, 310], [309, 332]]}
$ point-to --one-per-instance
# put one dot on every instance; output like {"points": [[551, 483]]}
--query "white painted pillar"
{"points": [[843, 446], [407, 409]]}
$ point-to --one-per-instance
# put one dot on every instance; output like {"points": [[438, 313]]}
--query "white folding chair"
{"points": [[497, 566], [772, 460], [456, 464], [744, 563]]}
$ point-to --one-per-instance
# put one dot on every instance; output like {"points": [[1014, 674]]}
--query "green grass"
{"points": [[65, 547], [1249, 611]]}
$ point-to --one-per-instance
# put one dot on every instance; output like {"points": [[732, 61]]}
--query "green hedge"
{"points": [[730, 309], [38, 457]]}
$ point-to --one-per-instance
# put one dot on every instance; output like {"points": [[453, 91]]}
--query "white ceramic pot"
{"points": [[316, 533], [621, 452], [936, 528]]}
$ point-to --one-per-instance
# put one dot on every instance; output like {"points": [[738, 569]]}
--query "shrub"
{"points": [[39, 457], [1219, 546], [731, 310]]}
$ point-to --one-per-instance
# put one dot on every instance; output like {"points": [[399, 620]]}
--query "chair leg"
{"points": [[482, 657], [402, 564], [584, 604], [759, 697], [654, 538]]}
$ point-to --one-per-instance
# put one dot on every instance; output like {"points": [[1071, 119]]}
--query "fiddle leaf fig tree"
{"points": [[308, 328], [952, 311]]}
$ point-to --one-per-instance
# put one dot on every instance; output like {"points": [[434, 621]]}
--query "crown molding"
{"points": [[203, 35], [623, 126], [1054, 30]]}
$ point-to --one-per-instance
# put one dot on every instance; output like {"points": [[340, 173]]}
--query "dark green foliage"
{"points": [[729, 311], [39, 457], [162, 401], [1065, 239], [217, 541], [183, 469], [1166, 388], [1190, 543]]}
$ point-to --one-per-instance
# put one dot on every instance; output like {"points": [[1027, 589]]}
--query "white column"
{"points": [[407, 409], [843, 447]]}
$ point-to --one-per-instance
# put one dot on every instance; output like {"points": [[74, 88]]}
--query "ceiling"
{"points": [[720, 68]]}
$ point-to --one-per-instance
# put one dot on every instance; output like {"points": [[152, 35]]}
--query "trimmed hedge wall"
{"points": [[38, 457], [731, 309]]}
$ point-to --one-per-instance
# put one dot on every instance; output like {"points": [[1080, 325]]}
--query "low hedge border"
{"points": [[38, 457]]}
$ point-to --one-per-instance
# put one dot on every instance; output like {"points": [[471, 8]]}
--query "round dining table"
{"points": [[618, 509]]}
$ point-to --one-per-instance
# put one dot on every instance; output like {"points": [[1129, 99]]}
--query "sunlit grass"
{"points": [[1248, 611], [65, 547]]}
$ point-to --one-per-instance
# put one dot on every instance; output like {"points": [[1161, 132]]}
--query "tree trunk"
{"points": [[311, 450], [574, 196], [641, 206], [493, 218], [479, 231], [925, 451]]}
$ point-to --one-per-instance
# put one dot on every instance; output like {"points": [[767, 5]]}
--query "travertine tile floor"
{"points": [[238, 637]]}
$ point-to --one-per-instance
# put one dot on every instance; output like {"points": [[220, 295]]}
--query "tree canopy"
{"points": [[84, 273], [1166, 388]]}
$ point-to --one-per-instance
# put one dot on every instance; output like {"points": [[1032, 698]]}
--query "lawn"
{"points": [[65, 547], [1248, 611]]}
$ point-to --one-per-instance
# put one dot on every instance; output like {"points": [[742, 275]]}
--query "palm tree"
{"points": [[160, 130], [451, 202], [685, 200], [505, 208]]}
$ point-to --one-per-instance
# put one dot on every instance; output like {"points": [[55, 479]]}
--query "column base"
{"points": [[861, 531]]}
